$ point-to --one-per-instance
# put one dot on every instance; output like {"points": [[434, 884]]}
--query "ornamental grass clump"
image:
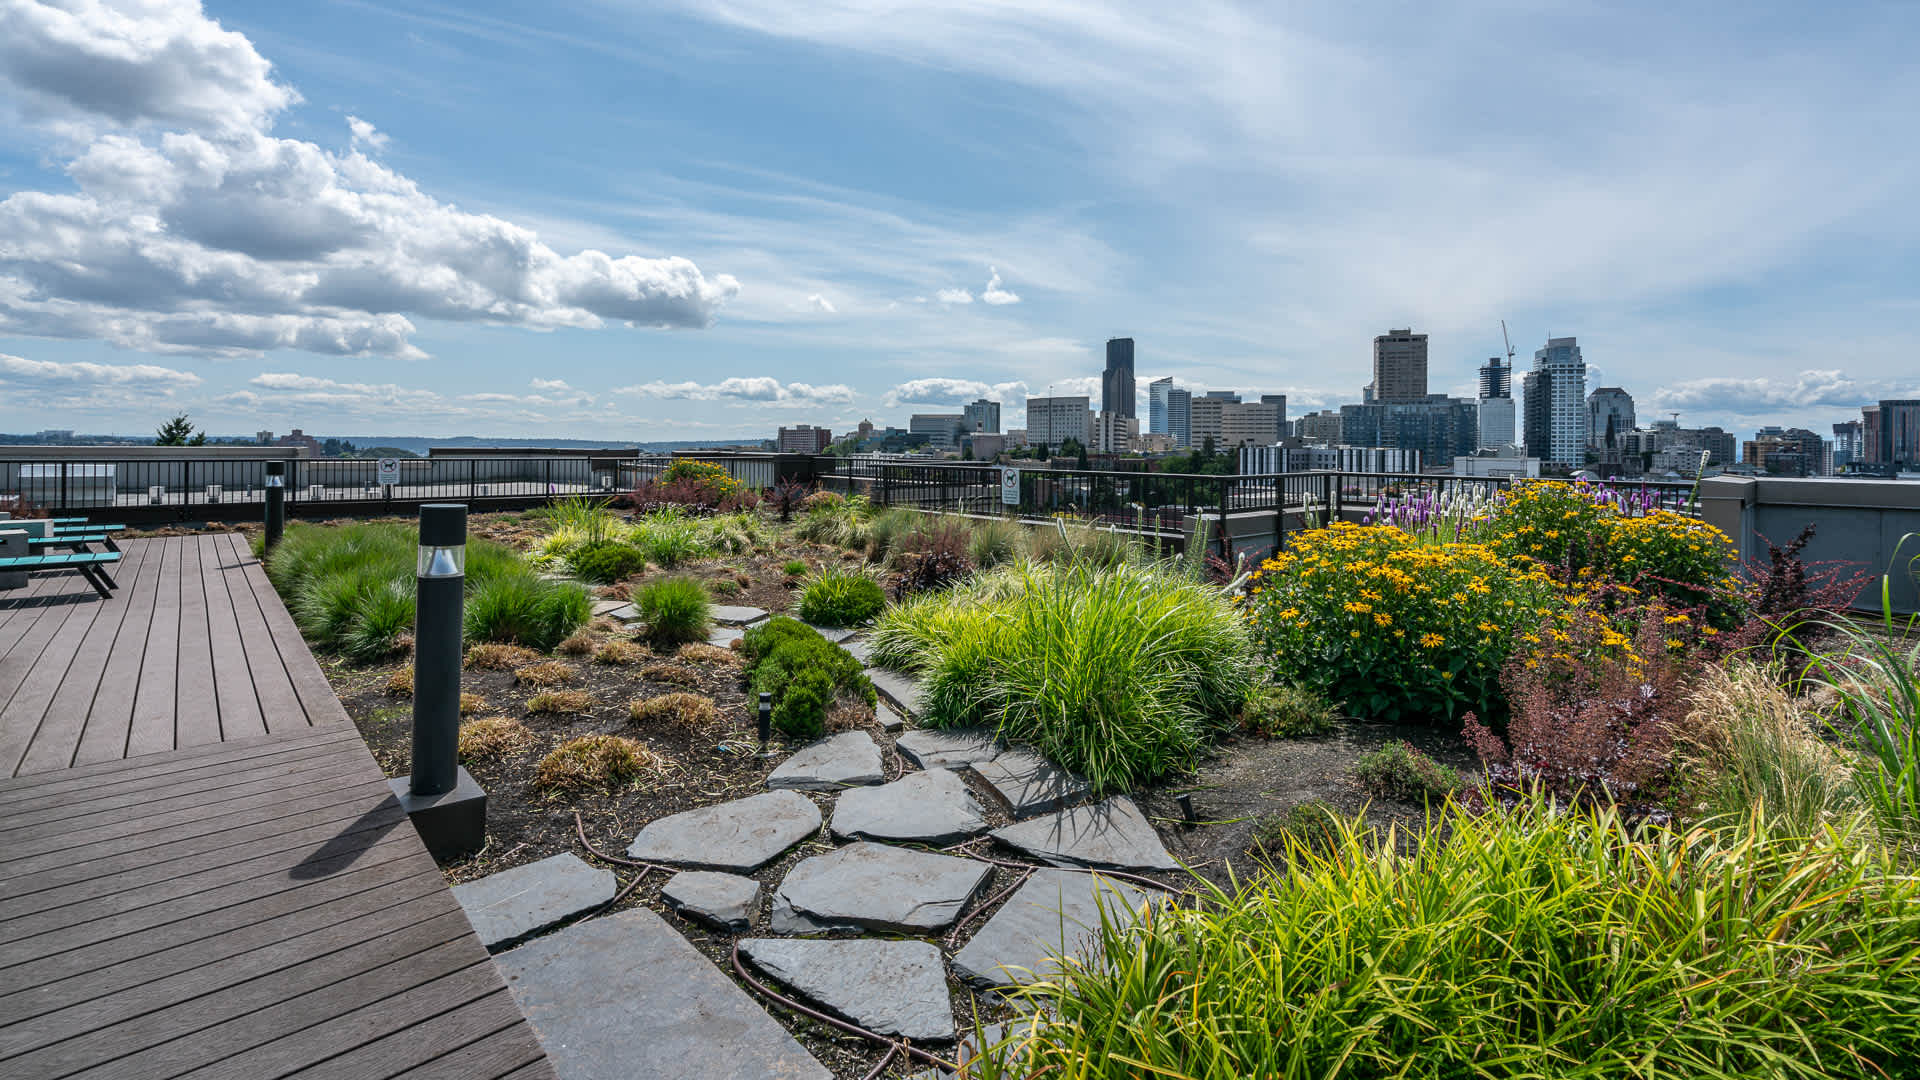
{"points": [[677, 610], [836, 519], [595, 763], [841, 597], [1536, 943], [350, 590], [1394, 628], [1119, 673]]}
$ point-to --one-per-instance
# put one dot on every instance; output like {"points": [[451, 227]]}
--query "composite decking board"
{"points": [[156, 693], [158, 768], [196, 710], [114, 879], [148, 829], [244, 877], [309, 681], [280, 706], [64, 716], [255, 951], [289, 774], [468, 1005], [240, 715], [21, 608], [38, 680], [138, 1019], [109, 721], [510, 1051], [161, 951]]}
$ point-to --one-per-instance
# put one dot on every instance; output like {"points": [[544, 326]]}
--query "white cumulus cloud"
{"points": [[954, 296], [947, 391], [758, 389], [994, 294], [193, 229], [821, 304], [1758, 396], [21, 371]]}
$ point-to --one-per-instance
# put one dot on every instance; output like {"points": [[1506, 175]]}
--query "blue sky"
{"points": [[650, 221]]}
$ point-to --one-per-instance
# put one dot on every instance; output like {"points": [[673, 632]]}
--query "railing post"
{"points": [[473, 469], [63, 487]]}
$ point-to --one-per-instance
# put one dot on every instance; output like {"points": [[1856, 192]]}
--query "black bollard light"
{"points": [[1186, 808], [276, 501], [766, 720], [448, 809]]}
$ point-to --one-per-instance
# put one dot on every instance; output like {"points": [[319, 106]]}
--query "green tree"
{"points": [[179, 432]]}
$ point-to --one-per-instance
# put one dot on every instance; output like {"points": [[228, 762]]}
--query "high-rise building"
{"points": [[1440, 428], [1279, 401], [1609, 417], [943, 430], [982, 415], [1231, 397], [1051, 421], [1400, 366], [1496, 404], [1321, 428], [1116, 384], [1892, 435], [1204, 425], [1180, 416], [1849, 444], [1787, 452], [1157, 392], [1114, 434], [1250, 423], [803, 439], [1556, 404]]}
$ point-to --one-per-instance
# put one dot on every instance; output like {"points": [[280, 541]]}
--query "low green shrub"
{"points": [[841, 597], [1399, 771], [1288, 711], [606, 562], [1118, 673], [676, 611], [1538, 943], [803, 671]]}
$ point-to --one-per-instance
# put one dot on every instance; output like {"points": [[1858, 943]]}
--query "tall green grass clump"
{"points": [[669, 537], [1119, 673], [1748, 741], [994, 543], [840, 520], [350, 590], [676, 610], [1539, 943], [841, 597]]}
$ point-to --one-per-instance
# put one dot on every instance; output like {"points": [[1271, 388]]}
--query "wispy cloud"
{"points": [[756, 390]]}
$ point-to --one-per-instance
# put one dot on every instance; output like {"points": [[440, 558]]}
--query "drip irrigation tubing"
{"points": [[580, 830], [740, 969]]}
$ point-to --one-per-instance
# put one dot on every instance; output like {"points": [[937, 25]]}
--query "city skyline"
{"points": [[815, 219]]}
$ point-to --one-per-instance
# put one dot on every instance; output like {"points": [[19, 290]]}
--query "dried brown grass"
{"points": [[493, 656], [559, 702], [678, 707], [543, 675], [493, 737], [596, 763]]}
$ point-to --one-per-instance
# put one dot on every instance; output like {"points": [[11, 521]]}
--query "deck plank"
{"points": [[71, 705], [240, 715], [23, 705], [280, 705], [157, 693], [196, 715], [309, 681], [109, 722]]}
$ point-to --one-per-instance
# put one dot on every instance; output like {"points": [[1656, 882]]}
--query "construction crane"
{"points": [[1508, 340]]}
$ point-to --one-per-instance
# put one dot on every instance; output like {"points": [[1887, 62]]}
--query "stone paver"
{"points": [[861, 648], [727, 901], [1030, 784], [736, 615], [835, 634], [626, 995], [848, 759], [933, 807], [739, 836], [867, 886], [890, 987], [626, 613], [887, 718], [933, 749], [514, 903], [725, 636], [1111, 835], [901, 689], [1054, 914], [607, 607]]}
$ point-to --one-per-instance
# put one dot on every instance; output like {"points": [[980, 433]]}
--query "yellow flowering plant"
{"points": [[1592, 538], [1397, 628]]}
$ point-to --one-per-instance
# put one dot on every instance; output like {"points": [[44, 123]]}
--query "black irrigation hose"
{"points": [[580, 830], [1122, 875], [740, 969], [881, 1065], [953, 935]]}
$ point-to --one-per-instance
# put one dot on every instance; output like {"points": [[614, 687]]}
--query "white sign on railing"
{"points": [[1010, 486], [389, 471]]}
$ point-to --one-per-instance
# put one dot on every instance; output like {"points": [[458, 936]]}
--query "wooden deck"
{"points": [[203, 873]]}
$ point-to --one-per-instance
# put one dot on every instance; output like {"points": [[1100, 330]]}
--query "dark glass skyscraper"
{"points": [[1116, 385]]}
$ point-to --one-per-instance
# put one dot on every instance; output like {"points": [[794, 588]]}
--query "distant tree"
{"points": [[966, 450], [1080, 459], [1040, 452], [179, 432], [1206, 446]]}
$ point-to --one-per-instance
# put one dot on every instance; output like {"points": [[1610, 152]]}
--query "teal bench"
{"points": [[75, 542], [88, 564], [95, 531]]}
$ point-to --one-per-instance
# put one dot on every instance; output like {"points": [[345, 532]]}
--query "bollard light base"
{"points": [[452, 824]]}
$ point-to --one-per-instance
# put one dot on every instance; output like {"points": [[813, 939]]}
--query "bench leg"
{"points": [[90, 572], [111, 546]]}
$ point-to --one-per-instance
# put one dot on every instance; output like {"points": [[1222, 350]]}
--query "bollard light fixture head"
{"points": [[276, 474], [443, 541]]}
